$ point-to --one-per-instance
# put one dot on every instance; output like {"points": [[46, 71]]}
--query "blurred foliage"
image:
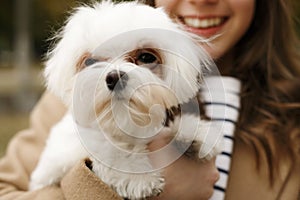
{"points": [[46, 18], [6, 24]]}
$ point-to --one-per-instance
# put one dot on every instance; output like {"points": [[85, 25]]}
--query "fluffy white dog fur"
{"points": [[118, 93]]}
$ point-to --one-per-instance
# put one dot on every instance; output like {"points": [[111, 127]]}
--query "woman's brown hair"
{"points": [[267, 61]]}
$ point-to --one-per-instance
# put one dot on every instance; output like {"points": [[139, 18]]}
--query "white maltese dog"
{"points": [[125, 71]]}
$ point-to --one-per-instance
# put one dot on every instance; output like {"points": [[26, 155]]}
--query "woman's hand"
{"points": [[185, 179]]}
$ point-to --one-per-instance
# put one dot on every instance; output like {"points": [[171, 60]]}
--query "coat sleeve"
{"points": [[24, 151]]}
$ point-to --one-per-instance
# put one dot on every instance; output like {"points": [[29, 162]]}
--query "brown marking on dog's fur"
{"points": [[171, 113]]}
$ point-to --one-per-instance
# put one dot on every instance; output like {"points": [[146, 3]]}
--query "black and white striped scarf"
{"points": [[221, 96]]}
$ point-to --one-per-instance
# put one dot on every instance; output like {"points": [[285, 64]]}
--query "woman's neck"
{"points": [[225, 64]]}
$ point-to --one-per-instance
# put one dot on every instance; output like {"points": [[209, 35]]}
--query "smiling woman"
{"points": [[262, 55], [228, 19], [248, 42], [206, 27]]}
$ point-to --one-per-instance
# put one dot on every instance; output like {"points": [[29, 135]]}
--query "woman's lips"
{"points": [[205, 27]]}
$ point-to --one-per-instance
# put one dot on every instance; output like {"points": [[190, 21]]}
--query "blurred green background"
{"points": [[25, 27]]}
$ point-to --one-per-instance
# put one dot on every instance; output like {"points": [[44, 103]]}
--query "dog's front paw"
{"points": [[138, 186], [130, 185], [38, 182], [197, 138], [196, 150]]}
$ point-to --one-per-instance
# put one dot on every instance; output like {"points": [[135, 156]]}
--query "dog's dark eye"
{"points": [[146, 58], [90, 61]]}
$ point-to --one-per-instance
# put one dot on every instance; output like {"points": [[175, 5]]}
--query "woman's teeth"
{"points": [[202, 23]]}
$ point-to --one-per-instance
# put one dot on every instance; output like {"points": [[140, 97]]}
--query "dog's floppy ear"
{"points": [[69, 46]]}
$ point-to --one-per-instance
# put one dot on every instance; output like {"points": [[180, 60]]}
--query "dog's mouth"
{"points": [[150, 101], [145, 109]]}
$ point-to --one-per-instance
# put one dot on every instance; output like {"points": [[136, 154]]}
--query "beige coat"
{"points": [[80, 183]]}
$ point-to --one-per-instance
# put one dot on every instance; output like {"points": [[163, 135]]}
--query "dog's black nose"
{"points": [[116, 80]]}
